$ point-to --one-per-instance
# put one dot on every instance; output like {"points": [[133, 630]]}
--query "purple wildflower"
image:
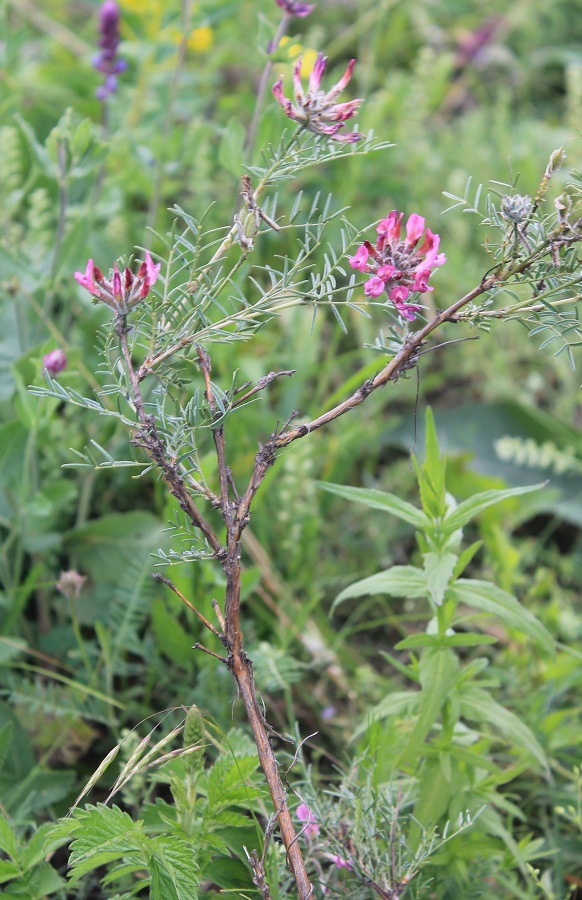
{"points": [[107, 61], [399, 266], [120, 294], [295, 8], [317, 110], [304, 814], [55, 361]]}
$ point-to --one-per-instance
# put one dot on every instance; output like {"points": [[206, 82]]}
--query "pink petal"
{"points": [[152, 270], [414, 229], [374, 287], [360, 260], [86, 280], [297, 80], [390, 226], [343, 82], [386, 272], [316, 75], [399, 294]]}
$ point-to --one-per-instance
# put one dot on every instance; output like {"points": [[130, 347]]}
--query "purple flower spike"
{"points": [[399, 267], [55, 361], [315, 109], [107, 61], [295, 8]]}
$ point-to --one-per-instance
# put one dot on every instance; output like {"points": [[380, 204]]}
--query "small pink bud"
{"points": [[55, 361], [116, 284], [128, 278]]}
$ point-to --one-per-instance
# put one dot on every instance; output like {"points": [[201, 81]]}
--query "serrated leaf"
{"points": [[173, 870], [101, 835], [479, 706], [487, 597], [438, 670], [438, 569], [470, 508], [7, 837], [8, 870], [399, 581], [379, 500]]}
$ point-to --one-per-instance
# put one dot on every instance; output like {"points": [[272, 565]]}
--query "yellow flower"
{"points": [[201, 39]]}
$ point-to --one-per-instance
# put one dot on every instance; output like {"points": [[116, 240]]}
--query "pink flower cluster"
{"points": [[399, 266], [122, 291], [316, 110], [311, 828]]}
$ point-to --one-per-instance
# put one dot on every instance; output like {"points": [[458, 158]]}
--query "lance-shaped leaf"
{"points": [[399, 581], [470, 508], [379, 500], [489, 598]]}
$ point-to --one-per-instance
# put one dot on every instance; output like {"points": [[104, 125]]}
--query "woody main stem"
{"points": [[235, 515]]}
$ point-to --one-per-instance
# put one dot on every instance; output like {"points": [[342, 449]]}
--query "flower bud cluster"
{"points": [[107, 61], [399, 266], [122, 291], [317, 110], [296, 8]]}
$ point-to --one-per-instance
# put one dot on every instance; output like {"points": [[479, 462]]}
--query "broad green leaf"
{"points": [[479, 706], [438, 669], [399, 581], [434, 794], [379, 500], [470, 508], [438, 569], [393, 704], [486, 597]]}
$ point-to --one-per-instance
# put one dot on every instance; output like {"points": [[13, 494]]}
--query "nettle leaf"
{"points": [[489, 598], [101, 835], [438, 569], [470, 508], [399, 581], [479, 706], [438, 669], [7, 839], [227, 781], [379, 500], [174, 873]]}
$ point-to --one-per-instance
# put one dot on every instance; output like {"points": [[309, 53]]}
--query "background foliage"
{"points": [[80, 180]]}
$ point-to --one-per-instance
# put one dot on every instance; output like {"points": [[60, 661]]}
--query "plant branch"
{"points": [[151, 442], [159, 577]]}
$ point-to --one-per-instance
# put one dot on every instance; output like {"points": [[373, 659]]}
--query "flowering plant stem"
{"points": [[235, 510]]}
